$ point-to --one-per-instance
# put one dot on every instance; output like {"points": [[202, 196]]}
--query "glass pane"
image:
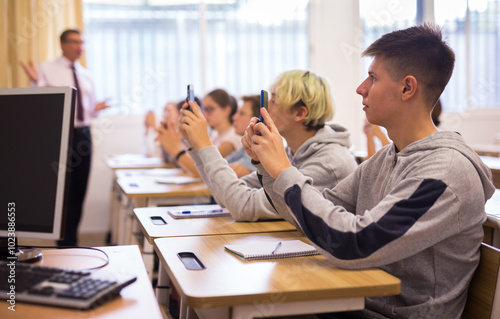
{"points": [[144, 53], [381, 16], [484, 55], [249, 42], [451, 15], [477, 74], [142, 56]]}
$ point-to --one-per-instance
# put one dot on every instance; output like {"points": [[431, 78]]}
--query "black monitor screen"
{"points": [[33, 135]]}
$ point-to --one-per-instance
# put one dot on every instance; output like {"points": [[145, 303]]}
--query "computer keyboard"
{"points": [[60, 286]]}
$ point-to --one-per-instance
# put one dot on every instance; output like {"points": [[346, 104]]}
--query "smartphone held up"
{"points": [[190, 95]]}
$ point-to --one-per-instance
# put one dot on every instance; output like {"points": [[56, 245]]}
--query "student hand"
{"points": [[367, 128], [376, 131], [150, 121], [170, 139], [246, 139], [30, 70], [269, 146], [101, 106], [193, 126]]}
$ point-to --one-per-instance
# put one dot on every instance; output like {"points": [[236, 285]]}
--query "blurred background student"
{"points": [[218, 109], [238, 160], [150, 147]]}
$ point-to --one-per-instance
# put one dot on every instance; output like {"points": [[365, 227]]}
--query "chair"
{"points": [[483, 300]]}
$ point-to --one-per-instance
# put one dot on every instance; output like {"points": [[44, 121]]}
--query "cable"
{"points": [[75, 247]]}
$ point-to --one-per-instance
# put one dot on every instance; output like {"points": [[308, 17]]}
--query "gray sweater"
{"points": [[325, 157], [416, 214]]}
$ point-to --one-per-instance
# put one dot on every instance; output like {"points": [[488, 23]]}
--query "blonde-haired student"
{"points": [[300, 105]]}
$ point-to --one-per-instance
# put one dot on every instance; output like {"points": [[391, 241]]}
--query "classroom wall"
{"points": [[335, 48]]}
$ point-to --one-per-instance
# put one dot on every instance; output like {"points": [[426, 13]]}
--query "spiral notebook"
{"points": [[272, 250]]}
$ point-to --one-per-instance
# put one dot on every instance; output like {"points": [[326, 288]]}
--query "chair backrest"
{"points": [[483, 300]]}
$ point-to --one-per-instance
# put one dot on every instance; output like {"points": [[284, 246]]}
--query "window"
{"points": [[143, 53], [472, 29]]}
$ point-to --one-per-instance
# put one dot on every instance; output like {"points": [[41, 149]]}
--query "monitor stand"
{"points": [[10, 249]]}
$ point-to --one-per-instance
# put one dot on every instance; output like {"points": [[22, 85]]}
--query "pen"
{"points": [[276, 248], [201, 211]]}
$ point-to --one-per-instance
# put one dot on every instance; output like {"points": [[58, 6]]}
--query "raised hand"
{"points": [[267, 144], [30, 70], [193, 126]]}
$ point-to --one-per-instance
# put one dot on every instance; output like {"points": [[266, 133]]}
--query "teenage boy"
{"points": [[416, 208]]}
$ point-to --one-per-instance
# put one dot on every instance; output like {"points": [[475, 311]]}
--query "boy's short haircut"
{"points": [[297, 88], [419, 51]]}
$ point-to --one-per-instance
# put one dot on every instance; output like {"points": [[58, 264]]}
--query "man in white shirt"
{"points": [[66, 71]]}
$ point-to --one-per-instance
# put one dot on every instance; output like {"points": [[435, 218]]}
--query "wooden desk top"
{"points": [[137, 300], [492, 208], [491, 162], [229, 281], [494, 164], [157, 172], [200, 226], [146, 186], [129, 161], [486, 149]]}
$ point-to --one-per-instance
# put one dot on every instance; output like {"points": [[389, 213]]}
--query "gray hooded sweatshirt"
{"points": [[325, 157], [417, 214]]}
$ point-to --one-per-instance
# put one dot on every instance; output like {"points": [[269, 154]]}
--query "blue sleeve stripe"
{"points": [[354, 245], [267, 196]]}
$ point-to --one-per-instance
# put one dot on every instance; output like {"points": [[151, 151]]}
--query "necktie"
{"points": [[79, 105]]}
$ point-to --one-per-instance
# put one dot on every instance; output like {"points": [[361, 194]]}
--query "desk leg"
{"points": [[125, 206], [212, 313], [186, 312], [163, 294], [114, 213], [148, 255], [191, 314], [183, 309], [131, 226]]}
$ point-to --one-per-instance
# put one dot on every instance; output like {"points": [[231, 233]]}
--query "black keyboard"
{"points": [[60, 286]]}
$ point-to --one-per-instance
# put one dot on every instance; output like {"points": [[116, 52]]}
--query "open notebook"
{"points": [[271, 249]]}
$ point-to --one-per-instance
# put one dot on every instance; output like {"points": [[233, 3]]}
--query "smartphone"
{"points": [[190, 94], [263, 102]]}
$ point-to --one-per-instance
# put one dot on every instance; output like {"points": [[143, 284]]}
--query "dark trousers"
{"points": [[79, 168]]}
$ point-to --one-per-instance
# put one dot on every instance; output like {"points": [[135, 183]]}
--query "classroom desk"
{"points": [[494, 164], [486, 149], [232, 288], [192, 227], [144, 191], [125, 162], [137, 300], [129, 161], [492, 224]]}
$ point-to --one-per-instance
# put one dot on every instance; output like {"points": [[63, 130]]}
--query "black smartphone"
{"points": [[263, 102], [190, 94]]}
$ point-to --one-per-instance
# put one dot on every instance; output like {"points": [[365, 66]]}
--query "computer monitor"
{"points": [[36, 130]]}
